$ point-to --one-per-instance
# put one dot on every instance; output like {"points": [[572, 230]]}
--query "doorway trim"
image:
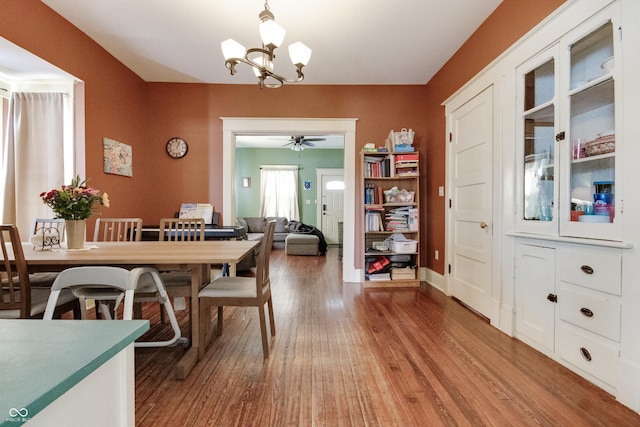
{"points": [[232, 126]]}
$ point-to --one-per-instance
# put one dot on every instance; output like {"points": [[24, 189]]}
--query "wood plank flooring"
{"points": [[348, 356]]}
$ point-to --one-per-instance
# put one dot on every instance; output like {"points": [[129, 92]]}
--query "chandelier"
{"points": [[261, 59]]}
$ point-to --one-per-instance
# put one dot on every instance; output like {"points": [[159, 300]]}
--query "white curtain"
{"points": [[33, 157], [279, 192]]}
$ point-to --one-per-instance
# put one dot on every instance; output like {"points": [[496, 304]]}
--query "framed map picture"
{"points": [[117, 157]]}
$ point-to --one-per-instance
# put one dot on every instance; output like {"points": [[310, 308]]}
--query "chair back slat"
{"points": [[118, 230], [15, 289], [181, 229]]}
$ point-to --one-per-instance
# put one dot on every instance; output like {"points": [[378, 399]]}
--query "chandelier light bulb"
{"points": [[232, 49], [299, 53], [271, 33]]}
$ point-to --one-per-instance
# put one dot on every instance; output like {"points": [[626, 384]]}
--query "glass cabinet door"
{"points": [[536, 150], [590, 208], [568, 179]]}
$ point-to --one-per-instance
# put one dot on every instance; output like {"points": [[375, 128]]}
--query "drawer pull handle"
{"points": [[587, 269], [585, 353], [586, 312]]}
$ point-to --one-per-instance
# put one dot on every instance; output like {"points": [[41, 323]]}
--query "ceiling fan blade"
{"points": [[307, 143], [314, 139]]}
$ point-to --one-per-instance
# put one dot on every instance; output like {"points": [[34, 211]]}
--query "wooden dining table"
{"points": [[194, 256]]}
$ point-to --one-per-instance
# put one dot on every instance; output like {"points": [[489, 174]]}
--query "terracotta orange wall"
{"points": [[510, 21], [193, 111], [115, 101], [121, 106]]}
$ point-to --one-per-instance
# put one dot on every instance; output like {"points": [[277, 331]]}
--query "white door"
{"points": [[470, 237], [331, 208]]}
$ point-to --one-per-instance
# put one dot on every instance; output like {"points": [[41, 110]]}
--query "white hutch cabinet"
{"points": [[567, 167], [569, 240]]}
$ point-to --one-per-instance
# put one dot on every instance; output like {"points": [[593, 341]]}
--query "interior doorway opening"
{"points": [[274, 126]]}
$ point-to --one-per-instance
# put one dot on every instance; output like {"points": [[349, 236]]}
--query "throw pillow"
{"points": [[256, 225]]}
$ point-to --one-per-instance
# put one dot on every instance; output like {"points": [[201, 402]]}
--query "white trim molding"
{"points": [[232, 126]]}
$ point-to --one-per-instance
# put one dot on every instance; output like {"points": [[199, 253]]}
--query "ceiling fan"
{"points": [[299, 142]]}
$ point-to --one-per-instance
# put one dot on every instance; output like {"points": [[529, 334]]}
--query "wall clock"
{"points": [[177, 147]]}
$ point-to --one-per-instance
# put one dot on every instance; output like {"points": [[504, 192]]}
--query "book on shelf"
{"points": [[373, 194], [406, 164], [410, 157], [413, 220], [379, 166], [398, 219], [373, 221]]}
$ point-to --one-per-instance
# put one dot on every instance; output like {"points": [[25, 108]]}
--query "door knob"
{"points": [[483, 225]]}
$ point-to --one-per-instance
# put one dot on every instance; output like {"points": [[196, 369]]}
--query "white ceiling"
{"points": [[361, 42], [354, 42]]}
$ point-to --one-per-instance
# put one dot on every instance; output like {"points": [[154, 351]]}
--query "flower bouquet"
{"points": [[74, 203]]}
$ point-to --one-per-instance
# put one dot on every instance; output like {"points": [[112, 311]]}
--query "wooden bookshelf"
{"points": [[391, 191]]}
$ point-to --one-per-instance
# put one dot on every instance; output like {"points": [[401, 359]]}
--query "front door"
{"points": [[331, 207], [471, 226]]}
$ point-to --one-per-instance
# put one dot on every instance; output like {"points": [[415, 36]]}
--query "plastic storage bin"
{"points": [[404, 246]]}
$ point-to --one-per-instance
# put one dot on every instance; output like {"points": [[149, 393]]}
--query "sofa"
{"points": [[255, 226]]}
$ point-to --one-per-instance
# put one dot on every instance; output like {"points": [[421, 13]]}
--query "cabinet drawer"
{"points": [[595, 270], [593, 355], [596, 312]]}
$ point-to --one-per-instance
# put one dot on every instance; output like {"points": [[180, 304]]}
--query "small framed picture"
{"points": [[307, 185]]}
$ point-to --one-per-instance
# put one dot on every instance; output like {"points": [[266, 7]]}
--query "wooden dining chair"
{"points": [[18, 300], [178, 283], [181, 229], [117, 230], [241, 292]]}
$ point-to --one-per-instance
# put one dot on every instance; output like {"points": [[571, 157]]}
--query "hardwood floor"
{"points": [[346, 356]]}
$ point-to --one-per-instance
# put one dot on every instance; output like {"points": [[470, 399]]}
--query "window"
{"points": [[37, 148], [335, 185], [279, 191]]}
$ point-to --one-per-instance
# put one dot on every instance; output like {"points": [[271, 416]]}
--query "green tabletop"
{"points": [[40, 360]]}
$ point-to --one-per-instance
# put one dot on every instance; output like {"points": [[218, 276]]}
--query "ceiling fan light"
{"points": [[299, 53], [297, 147], [232, 49], [271, 33]]}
